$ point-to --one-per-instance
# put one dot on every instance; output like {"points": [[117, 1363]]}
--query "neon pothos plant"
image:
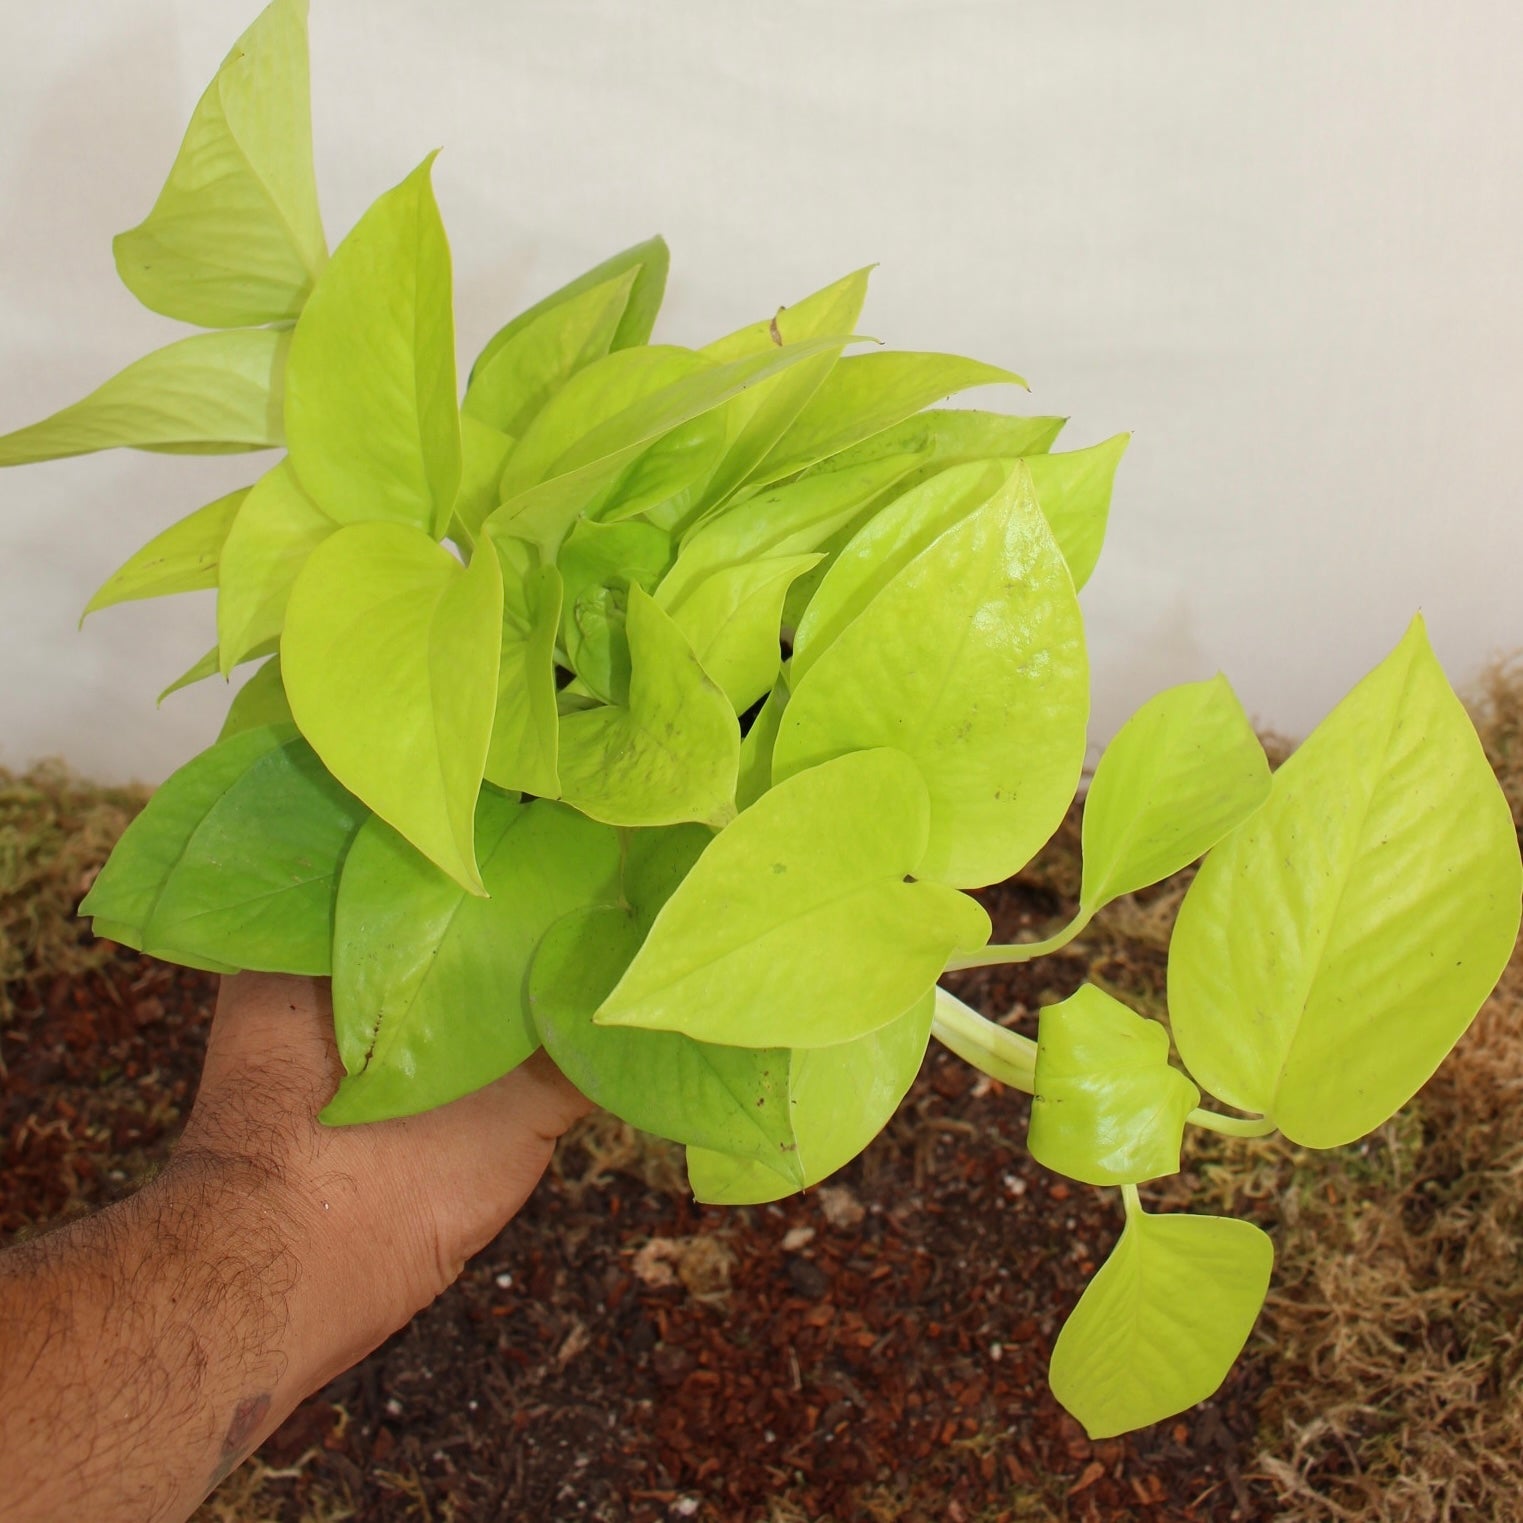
{"points": [[661, 705]]}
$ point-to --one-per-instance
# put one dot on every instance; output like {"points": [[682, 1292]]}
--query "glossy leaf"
{"points": [[210, 394], [1107, 1109], [234, 859], [970, 659], [840, 1098], [648, 261], [670, 754], [526, 726], [796, 928], [1160, 1325], [260, 701], [275, 531], [1074, 490], [390, 660], [430, 984], [508, 390], [371, 414], [1338, 943], [235, 238], [731, 1098], [181, 559], [867, 393], [1181, 772]]}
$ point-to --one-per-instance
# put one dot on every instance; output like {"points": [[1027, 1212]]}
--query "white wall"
{"points": [[1280, 242]]}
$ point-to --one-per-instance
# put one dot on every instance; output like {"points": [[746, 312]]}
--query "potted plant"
{"points": [[662, 706]]}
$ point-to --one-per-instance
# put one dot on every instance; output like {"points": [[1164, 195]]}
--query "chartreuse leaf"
{"points": [[796, 927], [757, 745], [1181, 772], [430, 984], [1074, 490], [732, 618], [276, 529], [181, 559], [1337, 944], [941, 437], [1107, 1108], [235, 238], [526, 726], [371, 414], [390, 658], [840, 1098], [1160, 1325], [510, 388], [483, 451], [596, 560], [207, 667], [757, 418], [260, 701], [731, 1098], [210, 394], [234, 860], [655, 862], [975, 640], [670, 754], [648, 261], [867, 393]]}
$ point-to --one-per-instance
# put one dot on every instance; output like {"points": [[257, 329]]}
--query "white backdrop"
{"points": [[1281, 243]]}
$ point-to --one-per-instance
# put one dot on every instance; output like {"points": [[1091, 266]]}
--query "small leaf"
{"points": [[260, 701], [371, 414], [1182, 772], [207, 667], [1107, 1108], [731, 1098], [796, 928], [757, 745], [235, 859], [390, 662], [970, 659], [867, 393], [275, 531], [1160, 1325], [181, 559], [1338, 943], [942, 437], [1074, 490], [431, 985], [483, 453], [840, 1098], [235, 238], [648, 261], [667, 756], [210, 394]]}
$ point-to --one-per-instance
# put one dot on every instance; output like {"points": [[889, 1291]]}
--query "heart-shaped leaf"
{"points": [[1337, 944], [526, 725], [1074, 490], [235, 238], [390, 660]]}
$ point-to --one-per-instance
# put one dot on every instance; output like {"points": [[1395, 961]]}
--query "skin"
{"points": [[147, 1350]]}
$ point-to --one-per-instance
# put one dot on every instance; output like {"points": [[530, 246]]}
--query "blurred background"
{"points": [[1279, 243]]}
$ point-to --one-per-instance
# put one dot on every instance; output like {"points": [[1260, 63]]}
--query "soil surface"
{"points": [[873, 1350]]}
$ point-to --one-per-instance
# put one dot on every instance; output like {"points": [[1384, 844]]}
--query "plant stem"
{"points": [[1021, 951], [1231, 1126], [1003, 1055], [1132, 1201]]}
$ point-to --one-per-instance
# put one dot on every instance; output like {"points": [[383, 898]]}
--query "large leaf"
{"points": [[840, 1098], [276, 529], [1107, 1108], [210, 394], [234, 860], [796, 928], [181, 559], [1074, 490], [235, 238], [525, 726], [371, 415], [508, 390], [971, 661], [1337, 944], [1160, 1325], [649, 262], [430, 984], [390, 660], [867, 393], [1180, 773], [260, 701], [731, 1098]]}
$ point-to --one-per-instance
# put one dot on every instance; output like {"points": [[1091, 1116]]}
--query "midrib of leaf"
{"points": [[744, 1106]]}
